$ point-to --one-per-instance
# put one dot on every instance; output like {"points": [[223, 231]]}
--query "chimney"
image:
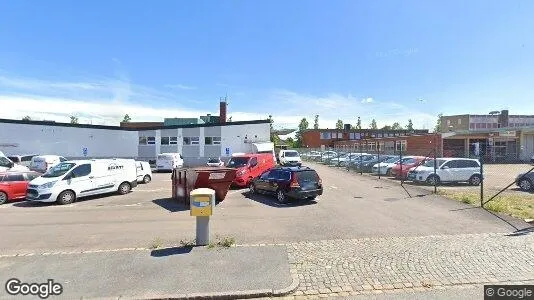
{"points": [[222, 111]]}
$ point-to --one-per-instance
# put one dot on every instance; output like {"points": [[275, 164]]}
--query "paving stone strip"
{"points": [[348, 267]]}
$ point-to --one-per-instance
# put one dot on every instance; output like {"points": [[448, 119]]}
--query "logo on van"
{"points": [[115, 167]]}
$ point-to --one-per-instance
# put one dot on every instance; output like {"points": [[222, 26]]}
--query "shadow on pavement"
{"points": [[271, 201], [33, 204], [521, 232], [170, 251], [170, 204]]}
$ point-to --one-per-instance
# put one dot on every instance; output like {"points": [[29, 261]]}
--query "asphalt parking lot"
{"points": [[352, 206]]}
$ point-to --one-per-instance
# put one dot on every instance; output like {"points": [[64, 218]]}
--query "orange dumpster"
{"points": [[184, 180]]}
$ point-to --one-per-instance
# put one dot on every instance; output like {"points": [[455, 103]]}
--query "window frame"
{"points": [[71, 174], [150, 140], [173, 140], [168, 140]]}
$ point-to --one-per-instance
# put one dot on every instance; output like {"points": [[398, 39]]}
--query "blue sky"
{"points": [[388, 60]]}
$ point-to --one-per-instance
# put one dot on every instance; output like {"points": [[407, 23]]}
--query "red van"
{"points": [[250, 166]]}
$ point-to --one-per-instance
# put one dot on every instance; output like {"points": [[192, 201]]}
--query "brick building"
{"points": [[414, 144], [317, 138]]}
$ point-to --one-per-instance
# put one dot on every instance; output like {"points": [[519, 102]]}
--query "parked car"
{"points": [[13, 185], [169, 161], [288, 183], [249, 167], [144, 171], [400, 171], [289, 158], [74, 179], [43, 163], [23, 160], [525, 181], [325, 156], [367, 166], [7, 165], [384, 168], [347, 159], [215, 162], [532, 159], [360, 159], [312, 155], [448, 170]]}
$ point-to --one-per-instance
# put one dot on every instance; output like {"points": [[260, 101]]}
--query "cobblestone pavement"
{"points": [[376, 265]]}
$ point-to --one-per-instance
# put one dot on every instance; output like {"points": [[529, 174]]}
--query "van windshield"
{"points": [[4, 162], [238, 162], [164, 157], [291, 154], [59, 170]]}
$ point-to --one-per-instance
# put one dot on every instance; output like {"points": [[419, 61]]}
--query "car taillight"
{"points": [[294, 182]]}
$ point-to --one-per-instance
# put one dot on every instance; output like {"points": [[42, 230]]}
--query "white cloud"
{"points": [[180, 86], [368, 100]]}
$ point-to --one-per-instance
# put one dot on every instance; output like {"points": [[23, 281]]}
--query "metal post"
{"points": [[400, 162], [435, 171], [203, 231], [361, 150], [481, 158], [378, 158]]}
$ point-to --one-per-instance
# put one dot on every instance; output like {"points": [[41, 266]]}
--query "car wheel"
{"points": [[252, 188], [281, 197], [433, 180], [524, 184], [66, 197], [124, 188], [146, 179], [475, 180], [3, 198]]}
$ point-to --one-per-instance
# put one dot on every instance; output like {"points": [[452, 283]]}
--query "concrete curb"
{"points": [[220, 295]]}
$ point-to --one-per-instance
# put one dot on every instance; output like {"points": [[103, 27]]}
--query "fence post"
{"points": [[435, 171], [361, 152], [481, 158], [378, 158], [400, 163]]}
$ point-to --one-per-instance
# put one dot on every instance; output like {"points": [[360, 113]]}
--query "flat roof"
{"points": [[108, 127]]}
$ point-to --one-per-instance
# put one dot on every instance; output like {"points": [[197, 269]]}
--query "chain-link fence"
{"points": [[498, 185]]}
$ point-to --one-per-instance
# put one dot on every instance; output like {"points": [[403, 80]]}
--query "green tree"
{"points": [[396, 126], [290, 143], [316, 122], [359, 123], [339, 124], [73, 120], [303, 125], [27, 118], [126, 119], [437, 128], [410, 125], [373, 124], [387, 127]]}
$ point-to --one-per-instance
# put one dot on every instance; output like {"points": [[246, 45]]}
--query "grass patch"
{"points": [[156, 244], [188, 243], [225, 242], [519, 205]]}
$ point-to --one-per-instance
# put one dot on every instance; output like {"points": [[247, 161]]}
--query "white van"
{"points": [[43, 163], [169, 161], [73, 179], [289, 158], [7, 165], [144, 172]]}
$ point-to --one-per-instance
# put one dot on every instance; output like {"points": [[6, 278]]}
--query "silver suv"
{"points": [[448, 170]]}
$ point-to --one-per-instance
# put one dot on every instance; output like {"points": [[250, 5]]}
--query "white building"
{"points": [[195, 142]]}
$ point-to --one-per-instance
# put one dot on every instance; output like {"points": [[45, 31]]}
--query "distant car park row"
{"points": [[420, 169]]}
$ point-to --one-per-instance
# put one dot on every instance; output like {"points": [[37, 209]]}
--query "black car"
{"points": [[525, 181], [288, 183]]}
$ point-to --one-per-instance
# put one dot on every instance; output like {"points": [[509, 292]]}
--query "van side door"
{"points": [[80, 180]]}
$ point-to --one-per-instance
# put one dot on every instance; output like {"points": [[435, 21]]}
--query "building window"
{"points": [[151, 140], [448, 122], [459, 121], [212, 140], [472, 126], [164, 140], [325, 135], [400, 146], [173, 140], [191, 140], [142, 140]]}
